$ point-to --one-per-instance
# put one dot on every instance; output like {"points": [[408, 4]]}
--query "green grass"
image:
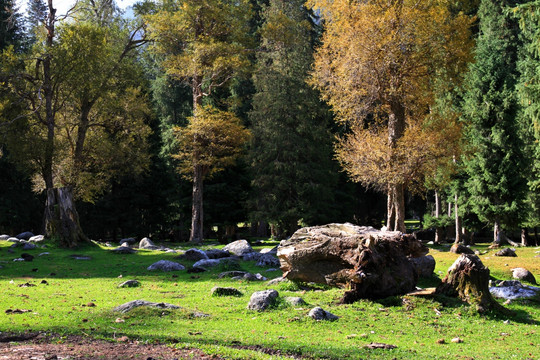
{"points": [[413, 324]]}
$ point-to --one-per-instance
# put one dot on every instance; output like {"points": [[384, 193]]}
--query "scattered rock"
{"points": [[207, 263], [225, 291], [457, 340], [380, 346], [80, 257], [252, 256], [440, 341], [124, 308], [272, 251], [278, 280], [17, 311], [195, 270], [29, 246], [424, 265], [13, 240], [231, 274], [147, 244], [27, 257], [44, 254], [461, 249], [124, 250], [295, 300], [512, 290], [27, 284], [129, 241], [37, 238], [261, 300], [523, 274], [194, 255], [25, 235], [239, 248], [251, 277], [506, 252], [166, 265], [317, 313], [217, 254], [129, 283], [268, 260], [4, 237]]}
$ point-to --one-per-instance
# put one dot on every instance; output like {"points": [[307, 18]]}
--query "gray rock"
{"points": [[217, 254], [37, 238], [166, 265], [124, 308], [272, 251], [268, 260], [4, 237], [506, 252], [239, 248], [29, 246], [25, 235], [13, 240], [261, 300], [253, 256], [206, 263], [278, 280], [461, 249], [295, 300], [424, 265], [44, 254], [146, 243], [195, 255], [130, 241], [317, 313], [252, 277], [129, 283], [523, 274], [231, 274], [225, 291], [511, 290], [124, 250]]}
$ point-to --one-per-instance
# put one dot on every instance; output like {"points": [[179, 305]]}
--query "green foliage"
{"points": [[442, 221], [11, 24], [293, 174], [496, 184]]}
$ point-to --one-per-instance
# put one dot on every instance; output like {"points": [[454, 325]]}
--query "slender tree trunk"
{"points": [[458, 221], [390, 209], [524, 237], [396, 129], [496, 233], [197, 206], [399, 200], [438, 230]]}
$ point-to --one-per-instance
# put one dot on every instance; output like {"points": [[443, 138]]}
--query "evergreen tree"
{"points": [[496, 184], [291, 148], [37, 12], [11, 26]]}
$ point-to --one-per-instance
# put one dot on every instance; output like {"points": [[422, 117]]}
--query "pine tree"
{"points": [[11, 26], [291, 148], [37, 12], [496, 184]]}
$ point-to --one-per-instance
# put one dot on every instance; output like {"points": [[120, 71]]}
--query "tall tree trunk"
{"points": [[458, 221], [390, 209], [396, 129], [524, 237], [62, 219], [439, 233], [399, 200], [496, 234], [197, 206]]}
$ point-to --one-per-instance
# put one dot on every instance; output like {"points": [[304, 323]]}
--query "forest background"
{"points": [[431, 109]]}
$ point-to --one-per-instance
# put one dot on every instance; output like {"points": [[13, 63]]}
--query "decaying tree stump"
{"points": [[369, 262], [468, 279]]}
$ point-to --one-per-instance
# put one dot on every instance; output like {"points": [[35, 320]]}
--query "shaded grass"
{"points": [[65, 306]]}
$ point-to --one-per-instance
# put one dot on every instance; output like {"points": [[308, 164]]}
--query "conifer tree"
{"points": [[496, 184], [291, 148]]}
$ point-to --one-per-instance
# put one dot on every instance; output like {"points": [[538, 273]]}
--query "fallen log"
{"points": [[369, 263]]}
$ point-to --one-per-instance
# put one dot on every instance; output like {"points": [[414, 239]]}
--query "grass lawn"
{"points": [[79, 295]]}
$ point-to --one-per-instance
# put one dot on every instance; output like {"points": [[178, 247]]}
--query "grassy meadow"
{"points": [[67, 296]]}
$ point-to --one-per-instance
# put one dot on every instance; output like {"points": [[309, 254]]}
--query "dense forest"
{"points": [[185, 120]]}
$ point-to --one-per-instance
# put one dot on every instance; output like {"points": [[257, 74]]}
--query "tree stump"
{"points": [[468, 279], [367, 262]]}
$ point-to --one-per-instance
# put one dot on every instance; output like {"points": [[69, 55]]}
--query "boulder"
{"points": [[129, 241], [37, 238], [124, 308], [124, 249], [261, 300], [511, 290], [372, 263], [215, 262], [4, 237], [523, 274], [295, 300], [195, 255], [272, 251], [252, 256], [225, 291], [424, 265], [147, 244], [29, 246], [25, 235], [217, 254], [166, 265], [317, 313], [506, 252], [239, 248], [13, 240], [461, 249], [267, 260]]}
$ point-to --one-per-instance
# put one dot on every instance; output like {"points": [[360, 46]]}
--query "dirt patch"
{"points": [[39, 347]]}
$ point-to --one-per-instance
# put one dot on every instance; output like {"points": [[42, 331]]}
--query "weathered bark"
{"points": [[390, 209], [197, 206], [468, 279], [61, 218], [500, 238], [459, 238], [370, 263], [396, 193], [524, 237]]}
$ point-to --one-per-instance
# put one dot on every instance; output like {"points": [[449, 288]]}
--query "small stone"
{"points": [[440, 341], [119, 320], [129, 283], [457, 340], [380, 346], [90, 304], [317, 313]]}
